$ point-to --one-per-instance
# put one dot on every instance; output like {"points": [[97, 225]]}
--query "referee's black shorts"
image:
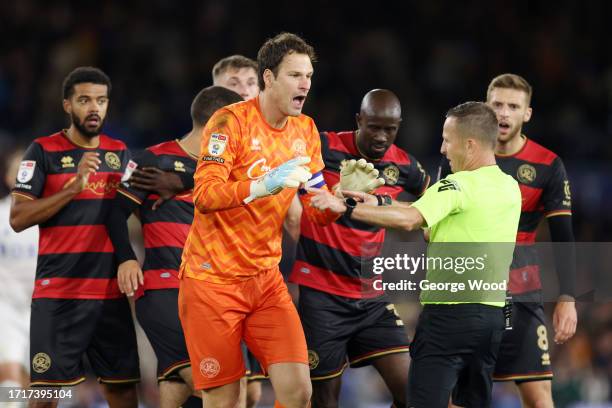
{"points": [[454, 350]]}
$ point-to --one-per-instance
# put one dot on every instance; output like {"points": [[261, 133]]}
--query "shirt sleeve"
{"points": [[221, 145], [439, 201], [316, 166], [557, 196], [32, 173], [143, 159], [417, 180]]}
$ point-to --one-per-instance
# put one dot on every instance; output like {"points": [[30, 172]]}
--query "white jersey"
{"points": [[18, 253], [17, 271]]}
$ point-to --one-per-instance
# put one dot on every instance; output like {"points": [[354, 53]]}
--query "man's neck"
{"points": [[73, 134], [483, 160], [272, 115], [511, 146], [191, 142]]}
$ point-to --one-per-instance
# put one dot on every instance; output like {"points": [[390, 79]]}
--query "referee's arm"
{"points": [[396, 216]]}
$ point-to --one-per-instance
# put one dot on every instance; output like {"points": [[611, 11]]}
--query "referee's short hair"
{"points": [[477, 120], [208, 101]]}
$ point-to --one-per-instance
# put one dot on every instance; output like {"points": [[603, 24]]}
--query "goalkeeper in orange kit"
{"points": [[254, 154]]}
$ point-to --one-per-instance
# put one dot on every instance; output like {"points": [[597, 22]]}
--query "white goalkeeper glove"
{"points": [[288, 175], [359, 175]]}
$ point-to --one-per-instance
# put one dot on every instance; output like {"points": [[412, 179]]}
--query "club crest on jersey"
{"points": [[112, 160], [41, 362], [129, 169], [179, 166], [391, 174], [216, 144], [26, 171], [526, 173], [67, 162], [313, 359], [299, 147]]}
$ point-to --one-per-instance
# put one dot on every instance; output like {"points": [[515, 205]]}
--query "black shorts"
{"points": [[342, 330], [157, 313], [62, 330], [454, 351], [524, 355]]}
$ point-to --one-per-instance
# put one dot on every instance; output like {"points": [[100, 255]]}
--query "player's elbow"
{"points": [[410, 220], [407, 224], [17, 222]]}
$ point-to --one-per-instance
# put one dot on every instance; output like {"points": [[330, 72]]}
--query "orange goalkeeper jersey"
{"points": [[229, 240]]}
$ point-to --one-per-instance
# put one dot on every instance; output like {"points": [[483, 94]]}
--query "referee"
{"points": [[456, 341]]}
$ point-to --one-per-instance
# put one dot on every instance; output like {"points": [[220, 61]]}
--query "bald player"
{"points": [[360, 328]]}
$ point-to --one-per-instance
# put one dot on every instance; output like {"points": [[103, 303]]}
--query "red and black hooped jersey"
{"points": [[75, 255], [545, 192], [329, 258], [164, 229]]}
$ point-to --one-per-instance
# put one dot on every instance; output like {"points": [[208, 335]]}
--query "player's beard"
{"points": [[81, 126]]}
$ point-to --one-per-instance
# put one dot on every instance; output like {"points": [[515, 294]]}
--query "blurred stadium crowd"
{"points": [[433, 54]]}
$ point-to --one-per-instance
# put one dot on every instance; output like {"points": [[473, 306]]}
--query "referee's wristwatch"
{"points": [[383, 199], [350, 203]]}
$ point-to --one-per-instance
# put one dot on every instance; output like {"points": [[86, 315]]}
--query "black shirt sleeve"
{"points": [[32, 172], [417, 179], [557, 197]]}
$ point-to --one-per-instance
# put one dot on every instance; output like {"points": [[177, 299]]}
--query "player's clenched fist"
{"points": [[359, 175], [89, 164], [290, 174]]}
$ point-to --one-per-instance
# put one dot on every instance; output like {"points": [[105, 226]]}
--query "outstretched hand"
{"points": [[324, 200], [166, 184]]}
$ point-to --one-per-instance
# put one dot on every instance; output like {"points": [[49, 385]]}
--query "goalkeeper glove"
{"points": [[288, 175], [359, 175]]}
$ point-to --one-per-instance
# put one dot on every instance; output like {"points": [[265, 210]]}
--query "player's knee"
{"points": [[298, 397]]}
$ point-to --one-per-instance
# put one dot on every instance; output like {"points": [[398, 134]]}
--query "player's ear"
{"points": [[67, 106], [357, 120], [268, 77], [527, 114]]}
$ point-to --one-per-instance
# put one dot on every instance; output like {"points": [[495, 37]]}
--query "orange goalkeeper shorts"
{"points": [[217, 317]]}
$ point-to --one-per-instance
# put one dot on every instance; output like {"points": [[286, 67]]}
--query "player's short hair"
{"points": [[476, 119], [510, 81], [273, 51], [232, 62], [209, 100], [82, 75]]}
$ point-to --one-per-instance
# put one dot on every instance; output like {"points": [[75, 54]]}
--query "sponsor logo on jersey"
{"points": [[67, 162], [217, 144], [26, 171], [255, 145], [179, 166], [129, 169], [258, 169], [447, 185]]}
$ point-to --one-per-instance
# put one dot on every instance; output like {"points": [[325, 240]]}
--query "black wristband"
{"points": [[350, 203], [383, 199]]}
